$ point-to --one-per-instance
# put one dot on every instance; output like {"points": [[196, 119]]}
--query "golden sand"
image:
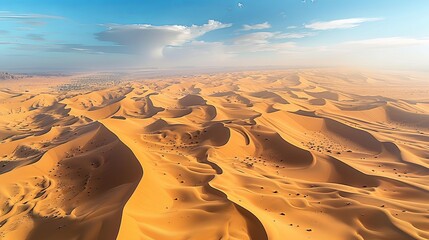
{"points": [[297, 154]]}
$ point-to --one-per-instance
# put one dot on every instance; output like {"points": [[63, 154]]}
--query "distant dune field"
{"points": [[297, 154]]}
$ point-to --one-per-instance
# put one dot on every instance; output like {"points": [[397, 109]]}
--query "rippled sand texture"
{"points": [[309, 154]]}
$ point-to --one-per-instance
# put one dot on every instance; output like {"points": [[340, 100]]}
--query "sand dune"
{"points": [[298, 154]]}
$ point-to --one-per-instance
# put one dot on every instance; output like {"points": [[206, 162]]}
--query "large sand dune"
{"points": [[298, 154]]}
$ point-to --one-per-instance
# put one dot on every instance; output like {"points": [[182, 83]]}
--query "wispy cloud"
{"points": [[340, 23], [389, 42], [82, 48], [35, 37], [27, 18], [213, 53], [265, 37], [260, 42], [9, 15], [254, 38], [258, 26], [294, 35]]}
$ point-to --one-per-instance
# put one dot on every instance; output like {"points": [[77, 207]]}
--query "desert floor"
{"points": [[294, 154]]}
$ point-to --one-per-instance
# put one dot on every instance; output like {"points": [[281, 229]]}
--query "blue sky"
{"points": [[52, 34]]}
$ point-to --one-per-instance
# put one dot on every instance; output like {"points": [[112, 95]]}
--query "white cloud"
{"points": [[292, 27], [389, 42], [151, 40], [340, 23], [259, 26]]}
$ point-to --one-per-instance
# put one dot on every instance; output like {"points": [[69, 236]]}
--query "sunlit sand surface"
{"points": [[297, 154]]}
